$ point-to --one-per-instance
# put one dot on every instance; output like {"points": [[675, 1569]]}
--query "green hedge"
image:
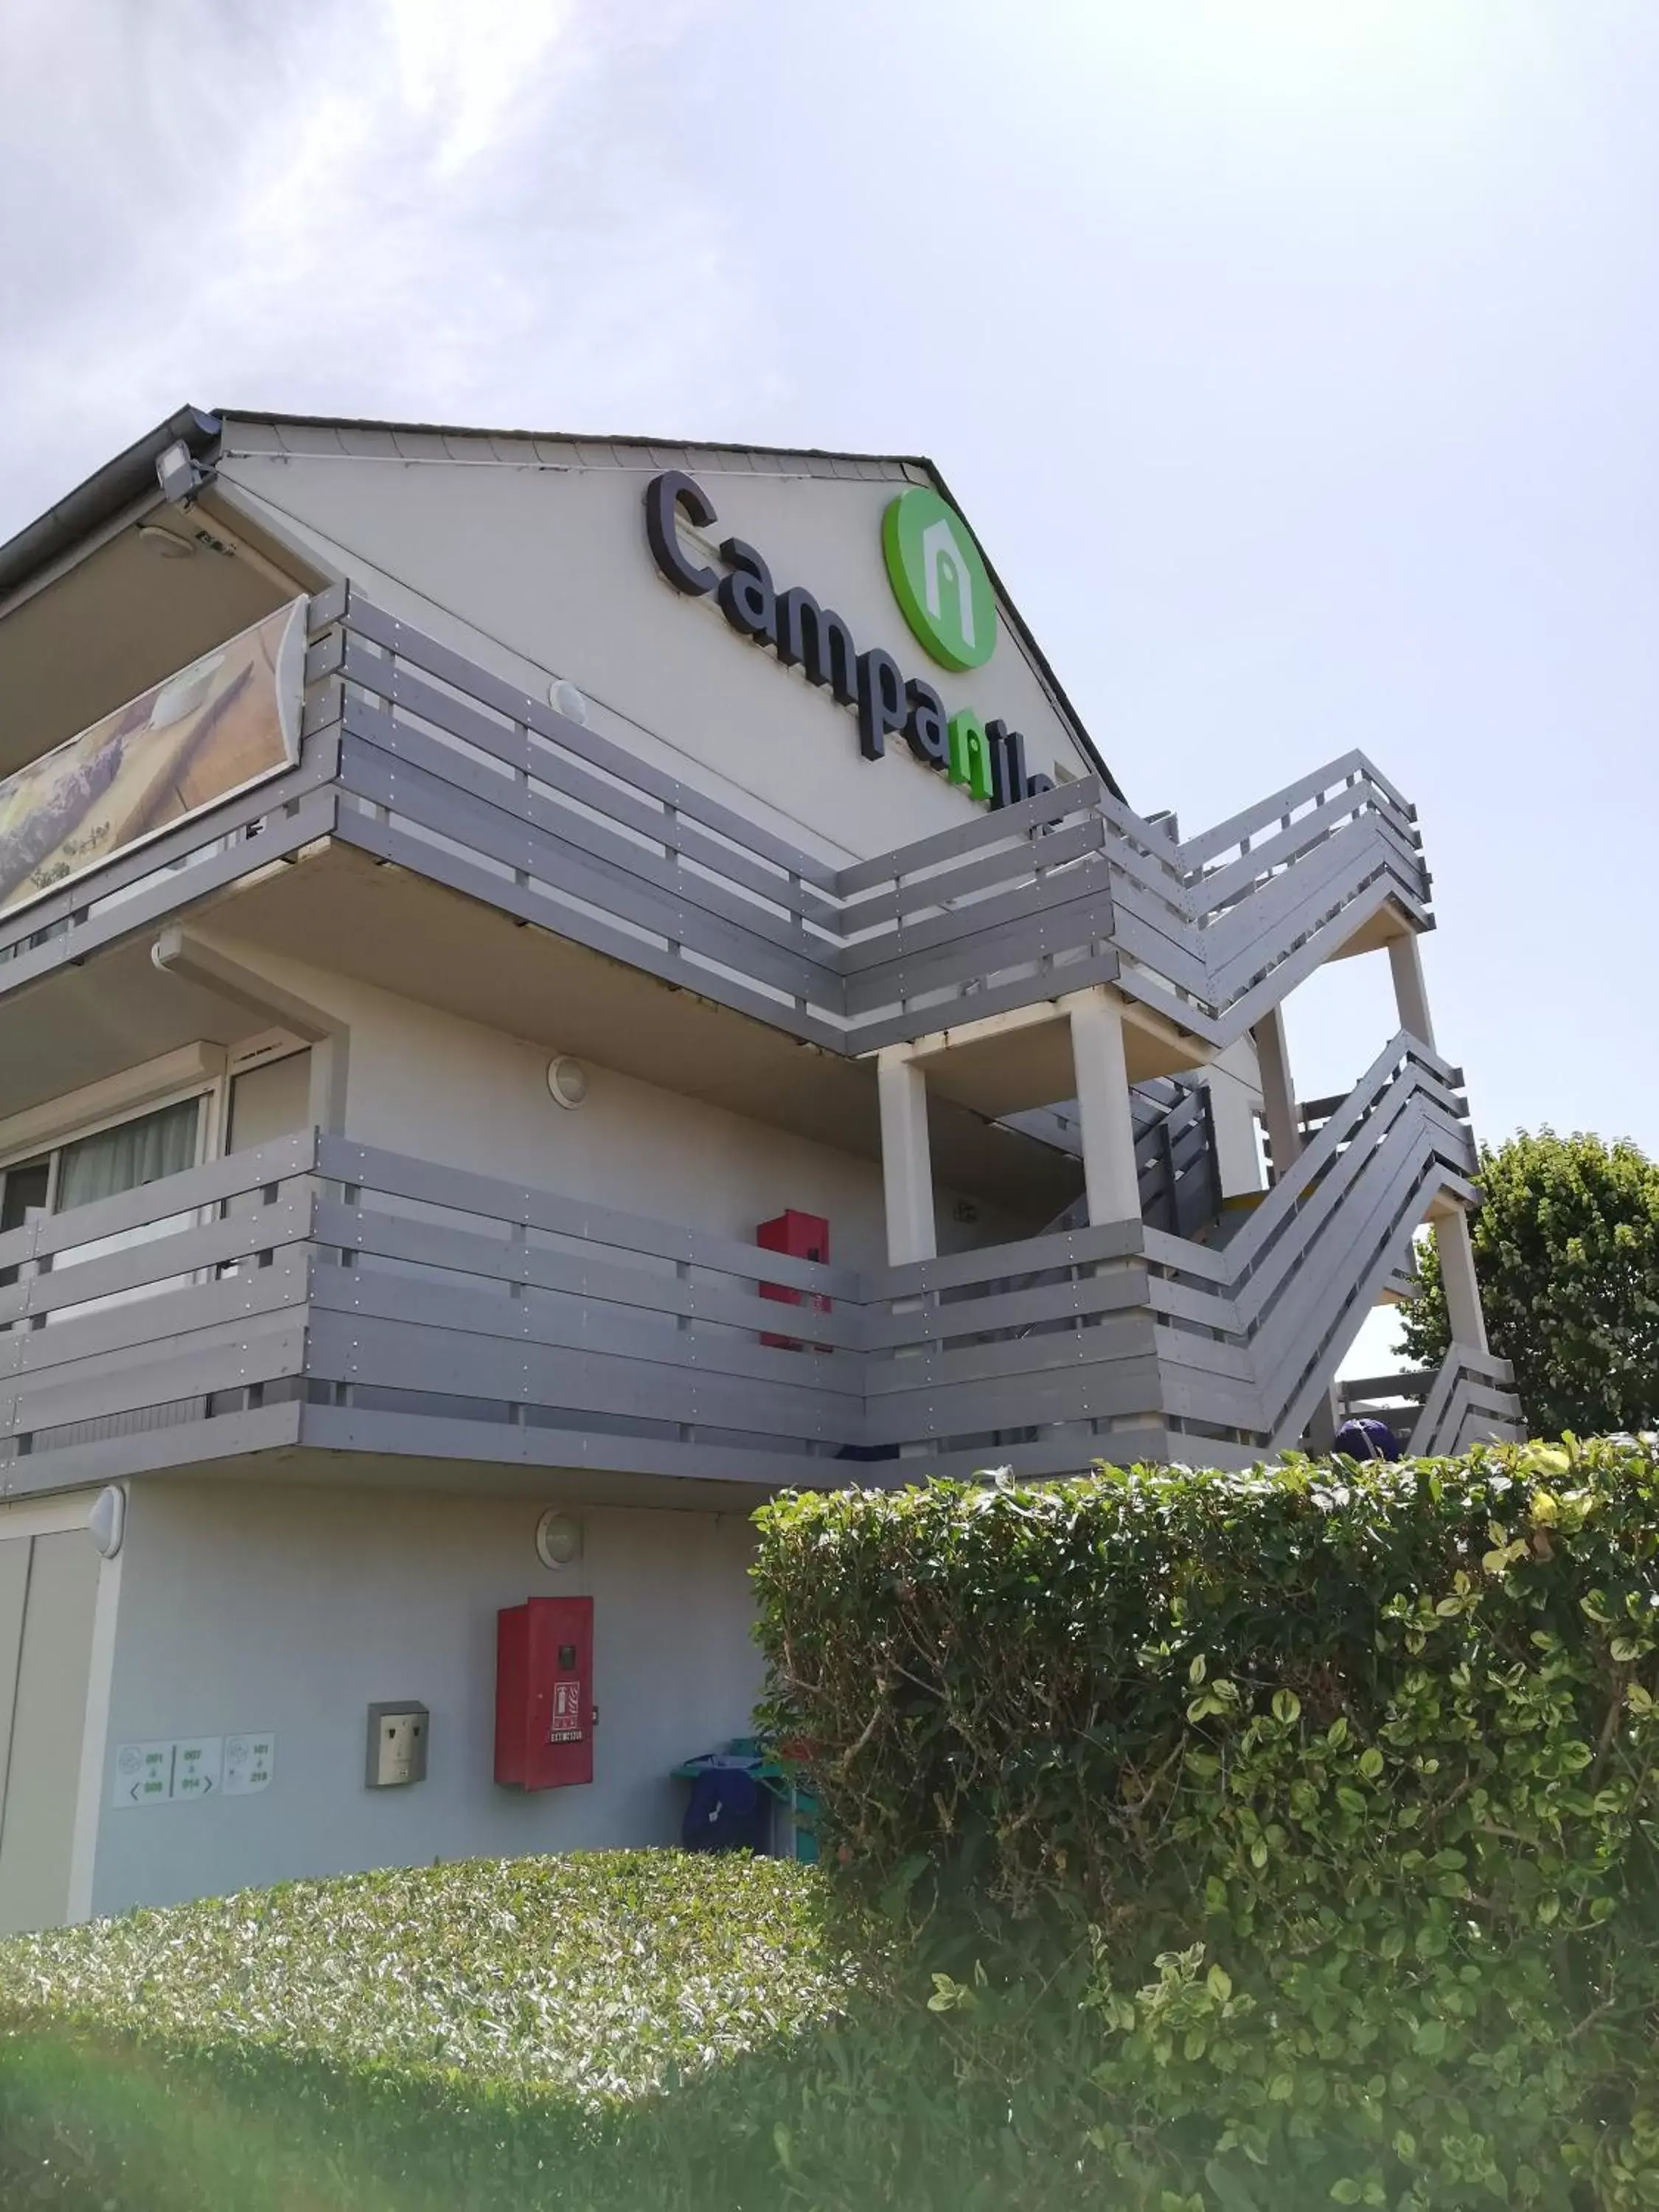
{"points": [[1330, 1789], [608, 2030]]}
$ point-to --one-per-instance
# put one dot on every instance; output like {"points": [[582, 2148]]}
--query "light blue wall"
{"points": [[252, 1606]]}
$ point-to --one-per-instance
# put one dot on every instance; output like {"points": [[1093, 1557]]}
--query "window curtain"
{"points": [[122, 1158]]}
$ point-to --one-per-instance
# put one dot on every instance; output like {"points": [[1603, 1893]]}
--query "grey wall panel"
{"points": [[1072, 840], [579, 1324], [378, 764], [183, 1251], [515, 749], [128, 1331], [43, 1777], [925, 1016], [540, 905], [1079, 1297], [372, 1232], [352, 1429], [1021, 895], [229, 1177], [1129, 1384], [1073, 925], [1253, 820], [466, 676], [394, 1175], [648, 893], [230, 1443], [966, 838], [1009, 1361], [209, 1360], [401, 1355], [15, 1553]]}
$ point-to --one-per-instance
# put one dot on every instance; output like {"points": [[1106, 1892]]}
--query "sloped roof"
{"points": [[124, 480]]}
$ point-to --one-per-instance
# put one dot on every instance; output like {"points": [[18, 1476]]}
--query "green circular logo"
{"points": [[938, 578]]}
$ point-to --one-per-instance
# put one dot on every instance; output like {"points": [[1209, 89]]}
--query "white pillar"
{"points": [[1410, 992], [1101, 1074], [1278, 1093], [907, 1165], [1456, 1252]]}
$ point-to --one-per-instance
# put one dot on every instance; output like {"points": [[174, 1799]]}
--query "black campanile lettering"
{"points": [[665, 497], [927, 731], [881, 701], [817, 640], [1007, 763], [747, 599]]}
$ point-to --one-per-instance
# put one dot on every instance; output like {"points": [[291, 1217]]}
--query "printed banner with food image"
{"points": [[228, 721]]}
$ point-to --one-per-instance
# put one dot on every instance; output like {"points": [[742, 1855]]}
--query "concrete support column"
{"points": [[1410, 992], [1101, 1074], [907, 1164], [1456, 1251], [1278, 1093]]}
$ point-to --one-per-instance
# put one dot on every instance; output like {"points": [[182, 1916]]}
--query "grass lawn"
{"points": [[645, 2030]]}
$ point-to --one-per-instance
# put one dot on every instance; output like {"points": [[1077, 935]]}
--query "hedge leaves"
{"points": [[1331, 1788]]}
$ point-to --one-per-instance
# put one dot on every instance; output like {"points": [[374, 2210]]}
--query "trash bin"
{"points": [[737, 1794]]}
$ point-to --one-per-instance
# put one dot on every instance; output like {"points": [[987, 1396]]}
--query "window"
{"points": [[23, 1192], [103, 1165], [124, 1157]]}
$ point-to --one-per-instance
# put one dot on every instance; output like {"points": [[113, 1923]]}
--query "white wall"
{"points": [[448, 1090], [245, 1606], [537, 570]]}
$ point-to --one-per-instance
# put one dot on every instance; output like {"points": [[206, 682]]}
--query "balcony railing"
{"points": [[321, 1292], [415, 754]]}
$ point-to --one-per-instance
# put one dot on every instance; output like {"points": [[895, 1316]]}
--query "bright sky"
{"points": [[1296, 361]]}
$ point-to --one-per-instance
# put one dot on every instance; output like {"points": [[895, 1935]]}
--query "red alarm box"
{"points": [[803, 1236], [544, 1709]]}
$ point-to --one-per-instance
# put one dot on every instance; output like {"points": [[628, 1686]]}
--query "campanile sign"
{"points": [[940, 583]]}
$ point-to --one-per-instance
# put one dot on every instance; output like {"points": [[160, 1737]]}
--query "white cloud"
{"points": [[379, 207]]}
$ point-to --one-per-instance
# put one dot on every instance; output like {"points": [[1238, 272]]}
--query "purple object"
{"points": [[1366, 1439]]}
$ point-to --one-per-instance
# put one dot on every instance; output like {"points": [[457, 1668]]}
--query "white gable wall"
{"points": [[539, 567]]}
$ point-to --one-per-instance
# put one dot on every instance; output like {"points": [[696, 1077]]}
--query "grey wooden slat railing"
{"points": [[414, 753], [387, 1292]]}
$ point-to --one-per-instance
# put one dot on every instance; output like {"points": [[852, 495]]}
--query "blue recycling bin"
{"points": [[735, 1795]]}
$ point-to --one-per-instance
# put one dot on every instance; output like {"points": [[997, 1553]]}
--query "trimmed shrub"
{"points": [[611, 2031], [1331, 1788]]}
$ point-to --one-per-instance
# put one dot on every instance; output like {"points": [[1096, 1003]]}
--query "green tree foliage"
{"points": [[1566, 1252], [1339, 1780]]}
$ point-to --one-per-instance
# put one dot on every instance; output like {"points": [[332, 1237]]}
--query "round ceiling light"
{"points": [[566, 1082], [107, 1522], [558, 1538], [565, 699], [167, 543]]}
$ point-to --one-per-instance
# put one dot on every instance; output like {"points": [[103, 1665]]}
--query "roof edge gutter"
{"points": [[103, 495]]}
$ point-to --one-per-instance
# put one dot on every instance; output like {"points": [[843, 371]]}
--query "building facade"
{"points": [[551, 984]]}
